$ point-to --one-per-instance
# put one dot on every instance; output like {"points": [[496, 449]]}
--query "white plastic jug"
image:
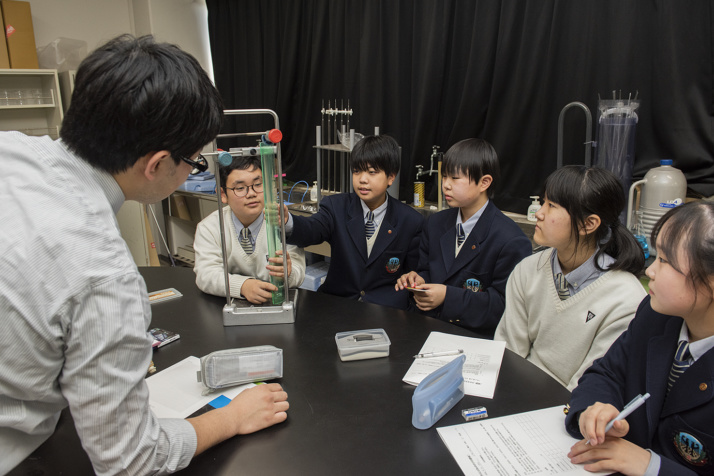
{"points": [[663, 188]]}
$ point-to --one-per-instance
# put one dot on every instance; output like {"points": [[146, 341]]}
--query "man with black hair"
{"points": [[74, 307]]}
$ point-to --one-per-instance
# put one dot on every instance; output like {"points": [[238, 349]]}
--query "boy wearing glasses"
{"points": [[246, 241]]}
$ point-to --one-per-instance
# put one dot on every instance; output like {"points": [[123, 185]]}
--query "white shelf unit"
{"points": [[182, 211], [30, 101]]}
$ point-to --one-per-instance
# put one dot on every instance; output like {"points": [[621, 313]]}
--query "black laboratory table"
{"points": [[345, 418]]}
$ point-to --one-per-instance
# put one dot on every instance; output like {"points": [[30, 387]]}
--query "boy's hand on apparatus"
{"points": [[275, 265], [257, 291]]}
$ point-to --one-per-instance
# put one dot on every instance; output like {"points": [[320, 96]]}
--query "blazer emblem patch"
{"points": [[473, 284], [691, 449], [392, 265]]}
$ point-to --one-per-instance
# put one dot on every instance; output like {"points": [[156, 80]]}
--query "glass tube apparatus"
{"points": [[282, 308]]}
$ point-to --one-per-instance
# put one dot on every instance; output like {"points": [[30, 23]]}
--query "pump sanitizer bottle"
{"points": [[533, 208], [313, 192]]}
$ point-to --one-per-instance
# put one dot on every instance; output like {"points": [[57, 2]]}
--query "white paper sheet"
{"points": [[533, 443], [175, 392], [483, 362]]}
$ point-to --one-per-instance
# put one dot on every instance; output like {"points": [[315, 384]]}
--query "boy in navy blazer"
{"points": [[467, 252], [373, 237]]}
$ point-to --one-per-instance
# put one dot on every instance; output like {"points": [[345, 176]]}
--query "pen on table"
{"points": [[629, 408], [439, 354]]}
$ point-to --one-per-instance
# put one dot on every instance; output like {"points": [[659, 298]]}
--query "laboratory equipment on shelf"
{"points": [[588, 132], [334, 141], [662, 189], [615, 144], [419, 186], [282, 308]]}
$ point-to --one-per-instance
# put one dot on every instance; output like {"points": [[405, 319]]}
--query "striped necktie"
{"points": [[680, 363], [460, 235], [563, 292], [369, 226], [245, 241]]}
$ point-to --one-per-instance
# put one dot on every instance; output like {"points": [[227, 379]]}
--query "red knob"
{"points": [[275, 136]]}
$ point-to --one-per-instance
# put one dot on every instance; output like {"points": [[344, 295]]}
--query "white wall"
{"points": [[93, 21], [182, 22]]}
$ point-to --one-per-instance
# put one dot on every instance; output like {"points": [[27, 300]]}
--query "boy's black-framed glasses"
{"points": [[241, 192], [199, 165]]}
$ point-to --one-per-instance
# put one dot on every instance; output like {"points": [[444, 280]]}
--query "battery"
{"points": [[476, 413]]}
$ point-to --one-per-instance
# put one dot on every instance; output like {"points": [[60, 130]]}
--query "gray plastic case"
{"points": [[360, 345], [225, 368]]}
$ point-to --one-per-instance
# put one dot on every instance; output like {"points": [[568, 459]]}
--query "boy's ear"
{"points": [[224, 198], [592, 223], [390, 179], [485, 182]]}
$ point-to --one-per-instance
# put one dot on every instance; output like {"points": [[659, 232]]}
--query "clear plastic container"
{"points": [[361, 345]]}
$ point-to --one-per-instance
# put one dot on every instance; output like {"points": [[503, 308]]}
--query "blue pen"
{"points": [[629, 408]]}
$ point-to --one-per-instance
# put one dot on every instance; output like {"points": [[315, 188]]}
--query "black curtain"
{"points": [[434, 72]]}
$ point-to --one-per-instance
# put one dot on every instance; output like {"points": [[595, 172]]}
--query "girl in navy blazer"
{"points": [[668, 352]]}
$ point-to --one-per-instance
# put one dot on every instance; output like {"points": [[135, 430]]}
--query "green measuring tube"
{"points": [[272, 214]]}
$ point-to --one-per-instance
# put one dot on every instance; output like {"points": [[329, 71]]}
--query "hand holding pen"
{"points": [[600, 418]]}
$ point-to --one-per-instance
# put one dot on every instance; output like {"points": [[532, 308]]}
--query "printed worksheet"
{"points": [[532, 443], [176, 392], [483, 362]]}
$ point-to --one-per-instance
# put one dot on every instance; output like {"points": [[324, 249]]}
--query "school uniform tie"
{"points": [[460, 235], [245, 241], [369, 226], [563, 292], [680, 363]]}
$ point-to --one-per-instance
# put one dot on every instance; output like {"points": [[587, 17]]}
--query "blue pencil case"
{"points": [[438, 393]]}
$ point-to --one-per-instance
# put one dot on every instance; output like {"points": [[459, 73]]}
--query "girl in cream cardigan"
{"points": [[567, 304]]}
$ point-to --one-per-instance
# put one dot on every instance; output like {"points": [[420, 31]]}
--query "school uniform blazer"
{"points": [[476, 278], [679, 426], [340, 221]]}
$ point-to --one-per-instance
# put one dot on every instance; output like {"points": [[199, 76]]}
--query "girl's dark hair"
{"points": [[690, 228], [380, 152], [585, 191], [133, 96], [474, 158]]}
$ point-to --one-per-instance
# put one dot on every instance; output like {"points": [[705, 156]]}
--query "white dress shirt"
{"points": [[75, 315]]}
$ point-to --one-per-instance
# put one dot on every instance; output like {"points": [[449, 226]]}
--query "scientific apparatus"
{"points": [[419, 186], [588, 132], [283, 306], [334, 141], [617, 121], [662, 189]]}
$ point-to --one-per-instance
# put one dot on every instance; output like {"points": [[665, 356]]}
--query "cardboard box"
{"points": [[19, 34], [4, 58]]}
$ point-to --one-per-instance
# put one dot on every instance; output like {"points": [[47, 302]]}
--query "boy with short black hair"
{"points": [[467, 252], [246, 241], [372, 235]]}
